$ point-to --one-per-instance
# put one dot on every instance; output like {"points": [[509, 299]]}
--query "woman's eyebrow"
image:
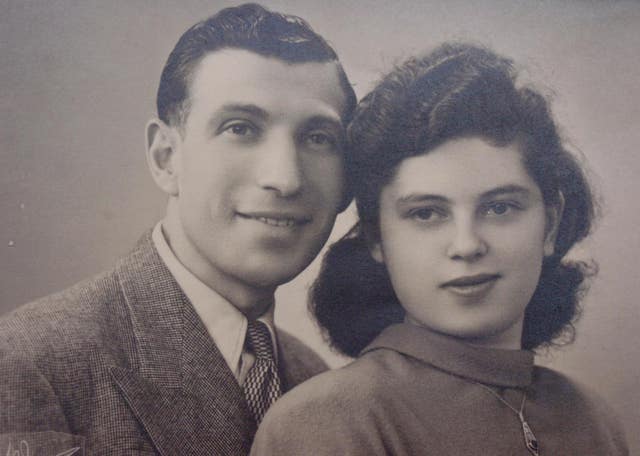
{"points": [[422, 197], [498, 191], [506, 189]]}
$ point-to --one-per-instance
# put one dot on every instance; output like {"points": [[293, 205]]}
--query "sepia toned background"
{"points": [[77, 84]]}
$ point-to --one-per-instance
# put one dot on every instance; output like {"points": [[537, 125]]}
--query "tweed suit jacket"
{"points": [[122, 364]]}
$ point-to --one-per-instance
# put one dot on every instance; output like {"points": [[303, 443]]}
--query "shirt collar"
{"points": [[508, 368], [226, 325]]}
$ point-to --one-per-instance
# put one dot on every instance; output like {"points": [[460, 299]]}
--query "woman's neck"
{"points": [[508, 339]]}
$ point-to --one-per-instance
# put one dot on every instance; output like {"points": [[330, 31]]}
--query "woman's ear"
{"points": [[373, 244], [375, 250], [161, 155], [554, 216]]}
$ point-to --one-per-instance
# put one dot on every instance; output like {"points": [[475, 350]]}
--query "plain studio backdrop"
{"points": [[78, 81]]}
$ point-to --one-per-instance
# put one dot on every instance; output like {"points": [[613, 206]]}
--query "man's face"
{"points": [[259, 170]]}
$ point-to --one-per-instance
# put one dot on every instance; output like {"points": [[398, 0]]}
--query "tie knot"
{"points": [[259, 339]]}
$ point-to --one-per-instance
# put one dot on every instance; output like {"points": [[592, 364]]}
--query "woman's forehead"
{"points": [[462, 167]]}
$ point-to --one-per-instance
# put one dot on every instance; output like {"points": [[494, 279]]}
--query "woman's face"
{"points": [[463, 232]]}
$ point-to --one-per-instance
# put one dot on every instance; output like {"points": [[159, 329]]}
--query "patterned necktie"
{"points": [[262, 385]]}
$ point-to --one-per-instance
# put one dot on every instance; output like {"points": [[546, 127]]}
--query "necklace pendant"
{"points": [[530, 439]]}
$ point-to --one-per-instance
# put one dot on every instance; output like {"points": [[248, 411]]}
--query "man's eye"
{"points": [[243, 129], [319, 139]]}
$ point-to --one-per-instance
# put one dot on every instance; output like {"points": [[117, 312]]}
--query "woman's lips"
{"points": [[471, 286]]}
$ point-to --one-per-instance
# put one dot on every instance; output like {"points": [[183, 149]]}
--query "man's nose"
{"points": [[467, 242], [279, 166]]}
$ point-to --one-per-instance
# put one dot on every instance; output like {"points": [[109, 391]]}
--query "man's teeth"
{"points": [[277, 222]]}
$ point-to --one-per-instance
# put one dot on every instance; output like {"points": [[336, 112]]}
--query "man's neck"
{"points": [[251, 301]]}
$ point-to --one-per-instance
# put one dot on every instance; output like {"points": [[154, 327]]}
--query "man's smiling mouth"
{"points": [[280, 220], [277, 222]]}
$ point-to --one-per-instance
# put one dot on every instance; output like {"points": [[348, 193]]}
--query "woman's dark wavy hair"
{"points": [[458, 90]]}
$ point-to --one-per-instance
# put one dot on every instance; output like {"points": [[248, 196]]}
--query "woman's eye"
{"points": [[240, 129], [499, 208], [426, 214]]}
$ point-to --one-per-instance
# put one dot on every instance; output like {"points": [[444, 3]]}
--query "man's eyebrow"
{"points": [[325, 120], [245, 108], [506, 189]]}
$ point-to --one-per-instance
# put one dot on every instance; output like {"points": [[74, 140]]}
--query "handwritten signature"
{"points": [[23, 450]]}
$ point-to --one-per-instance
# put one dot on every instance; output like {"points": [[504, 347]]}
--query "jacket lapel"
{"points": [[179, 386]]}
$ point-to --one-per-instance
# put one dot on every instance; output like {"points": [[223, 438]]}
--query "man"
{"points": [[172, 352]]}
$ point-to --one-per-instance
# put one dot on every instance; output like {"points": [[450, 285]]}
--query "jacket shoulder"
{"points": [[68, 332], [87, 315], [78, 312], [46, 343]]}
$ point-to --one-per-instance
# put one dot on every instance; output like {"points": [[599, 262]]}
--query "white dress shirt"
{"points": [[226, 325]]}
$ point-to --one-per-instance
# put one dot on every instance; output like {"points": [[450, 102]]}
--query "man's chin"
{"points": [[266, 279]]}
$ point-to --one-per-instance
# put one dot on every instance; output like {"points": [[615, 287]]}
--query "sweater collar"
{"points": [[507, 368]]}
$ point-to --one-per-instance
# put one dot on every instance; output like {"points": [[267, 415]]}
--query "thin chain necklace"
{"points": [[530, 440]]}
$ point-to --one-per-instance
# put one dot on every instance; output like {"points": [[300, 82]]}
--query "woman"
{"points": [[456, 272]]}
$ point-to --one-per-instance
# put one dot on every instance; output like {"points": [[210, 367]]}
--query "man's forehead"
{"points": [[237, 76]]}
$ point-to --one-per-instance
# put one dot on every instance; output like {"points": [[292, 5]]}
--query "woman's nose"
{"points": [[467, 244]]}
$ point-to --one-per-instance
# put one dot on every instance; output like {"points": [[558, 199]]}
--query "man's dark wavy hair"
{"points": [[458, 90], [250, 27]]}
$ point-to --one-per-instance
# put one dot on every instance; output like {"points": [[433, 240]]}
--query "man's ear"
{"points": [[554, 216], [161, 155]]}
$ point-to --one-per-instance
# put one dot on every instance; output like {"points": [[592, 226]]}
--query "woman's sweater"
{"points": [[416, 392]]}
